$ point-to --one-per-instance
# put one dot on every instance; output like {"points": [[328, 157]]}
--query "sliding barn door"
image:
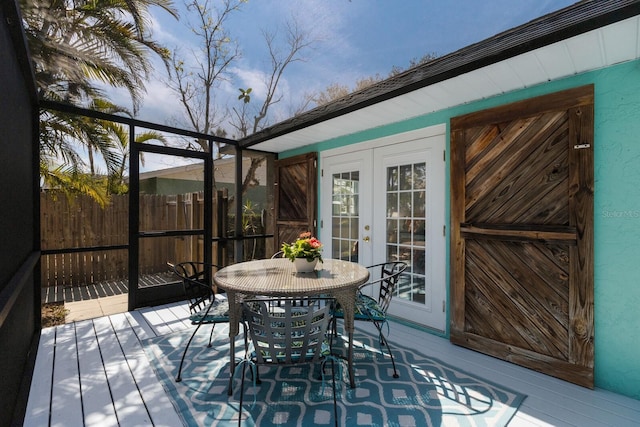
{"points": [[522, 233], [296, 181]]}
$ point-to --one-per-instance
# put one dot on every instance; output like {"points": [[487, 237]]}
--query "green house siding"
{"points": [[617, 208], [167, 186]]}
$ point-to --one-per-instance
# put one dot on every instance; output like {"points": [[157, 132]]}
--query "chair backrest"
{"points": [[386, 275], [198, 293], [285, 333], [278, 254]]}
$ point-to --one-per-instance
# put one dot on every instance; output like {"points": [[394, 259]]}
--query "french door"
{"points": [[384, 201]]}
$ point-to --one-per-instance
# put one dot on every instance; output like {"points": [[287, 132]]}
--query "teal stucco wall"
{"points": [[617, 209]]}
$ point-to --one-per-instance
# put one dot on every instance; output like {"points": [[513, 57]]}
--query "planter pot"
{"points": [[304, 266]]}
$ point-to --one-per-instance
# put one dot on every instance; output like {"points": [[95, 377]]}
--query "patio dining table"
{"points": [[278, 278]]}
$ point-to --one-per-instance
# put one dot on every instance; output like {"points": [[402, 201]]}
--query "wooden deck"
{"points": [[105, 288], [95, 373]]}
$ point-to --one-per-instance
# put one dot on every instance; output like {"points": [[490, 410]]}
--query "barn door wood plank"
{"points": [[581, 189], [564, 100], [522, 233]]}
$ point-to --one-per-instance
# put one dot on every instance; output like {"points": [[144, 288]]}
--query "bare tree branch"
{"points": [[297, 40], [195, 81]]}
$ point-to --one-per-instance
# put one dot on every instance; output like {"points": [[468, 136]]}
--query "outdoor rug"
{"points": [[428, 393]]}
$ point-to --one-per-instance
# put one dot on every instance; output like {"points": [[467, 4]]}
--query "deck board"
{"points": [[66, 399], [139, 399], [37, 412], [154, 318], [140, 327], [161, 409], [130, 407], [96, 398], [549, 399], [173, 320]]}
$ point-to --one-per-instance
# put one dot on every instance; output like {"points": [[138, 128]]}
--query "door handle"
{"points": [[366, 238]]}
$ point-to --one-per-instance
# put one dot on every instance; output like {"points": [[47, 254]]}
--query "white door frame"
{"points": [[346, 162], [431, 138]]}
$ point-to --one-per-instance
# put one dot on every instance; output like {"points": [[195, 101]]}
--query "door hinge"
{"points": [[321, 172], [444, 155], [443, 306], [321, 223], [444, 230]]}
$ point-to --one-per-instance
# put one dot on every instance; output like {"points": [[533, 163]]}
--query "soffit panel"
{"points": [[586, 51], [528, 69], [556, 61], [612, 36]]}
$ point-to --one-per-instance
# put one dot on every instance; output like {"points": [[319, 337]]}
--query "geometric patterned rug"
{"points": [[428, 393]]}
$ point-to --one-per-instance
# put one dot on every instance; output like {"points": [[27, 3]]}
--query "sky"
{"points": [[354, 39]]}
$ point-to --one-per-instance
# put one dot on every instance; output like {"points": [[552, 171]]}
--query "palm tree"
{"points": [[73, 42], [75, 46], [70, 181], [108, 138], [117, 184]]}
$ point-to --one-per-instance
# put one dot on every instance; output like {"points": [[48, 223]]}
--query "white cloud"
{"points": [[164, 35], [250, 78], [161, 104]]}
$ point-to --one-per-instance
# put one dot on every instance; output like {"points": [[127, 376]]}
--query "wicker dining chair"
{"points": [[284, 333], [278, 254], [385, 276], [205, 306]]}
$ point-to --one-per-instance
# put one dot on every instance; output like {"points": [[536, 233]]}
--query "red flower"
{"points": [[315, 243]]}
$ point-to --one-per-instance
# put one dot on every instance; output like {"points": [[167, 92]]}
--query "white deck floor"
{"points": [[95, 373]]}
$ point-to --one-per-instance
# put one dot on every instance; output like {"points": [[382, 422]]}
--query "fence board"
{"points": [[180, 247], [80, 222]]}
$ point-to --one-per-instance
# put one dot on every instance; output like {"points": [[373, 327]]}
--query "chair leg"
{"points": [[335, 399], [246, 351], [257, 375], [184, 353], [333, 327], [241, 398], [211, 335], [385, 343], [246, 339]]}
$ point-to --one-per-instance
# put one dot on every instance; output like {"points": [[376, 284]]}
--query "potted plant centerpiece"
{"points": [[304, 252]]}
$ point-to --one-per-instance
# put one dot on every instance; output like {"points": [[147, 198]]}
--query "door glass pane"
{"points": [[420, 175], [345, 215], [406, 227], [406, 177], [392, 179], [392, 204], [419, 203], [405, 204]]}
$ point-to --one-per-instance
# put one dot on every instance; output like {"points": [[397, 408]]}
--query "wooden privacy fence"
{"points": [[69, 226]]}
